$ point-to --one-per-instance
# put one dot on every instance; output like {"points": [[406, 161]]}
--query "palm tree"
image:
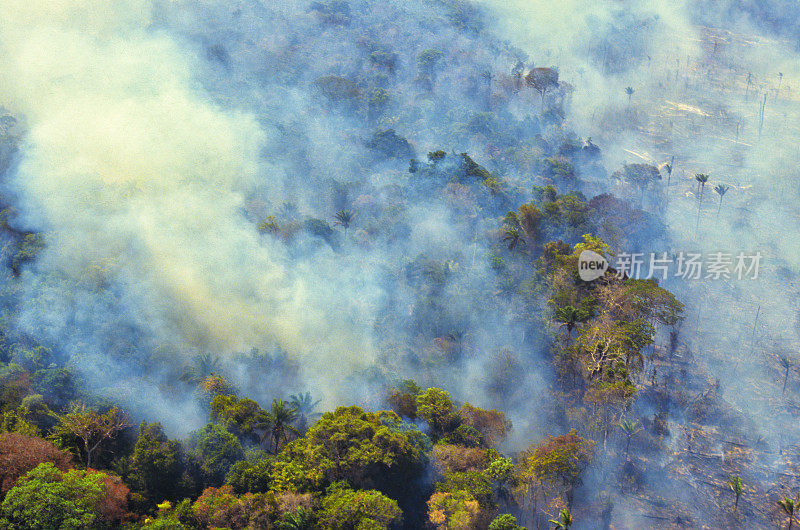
{"points": [[629, 91], [630, 429], [305, 407], [701, 179], [204, 366], [513, 237], [787, 365], [669, 167], [747, 89], [721, 190], [279, 422], [564, 522], [735, 484], [300, 519], [570, 317], [788, 506], [344, 218]]}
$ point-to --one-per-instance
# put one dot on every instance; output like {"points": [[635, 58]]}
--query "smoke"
{"points": [[139, 180], [160, 134]]}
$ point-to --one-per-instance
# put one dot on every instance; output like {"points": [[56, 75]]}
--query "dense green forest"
{"points": [[318, 265]]}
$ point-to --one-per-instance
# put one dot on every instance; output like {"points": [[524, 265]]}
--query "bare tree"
{"points": [[91, 427]]}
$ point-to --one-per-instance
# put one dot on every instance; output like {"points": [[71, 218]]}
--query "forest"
{"points": [[322, 265]]}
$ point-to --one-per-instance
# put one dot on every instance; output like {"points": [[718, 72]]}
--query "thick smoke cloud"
{"points": [[139, 180]]}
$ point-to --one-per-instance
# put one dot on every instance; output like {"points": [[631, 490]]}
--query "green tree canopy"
{"points": [[47, 499], [156, 466], [346, 509], [217, 450]]}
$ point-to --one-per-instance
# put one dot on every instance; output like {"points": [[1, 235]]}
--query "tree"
{"points": [[300, 519], [305, 407], [403, 398], [564, 520], [252, 475], [20, 454], [476, 483], [505, 522], [542, 80], [46, 499], [669, 167], [203, 366], [217, 450], [453, 510], [629, 90], [91, 427], [156, 466], [435, 406], [735, 484], [365, 449], [721, 190], [701, 179], [220, 508], [529, 216], [570, 317], [279, 421], [630, 428], [344, 509], [344, 218], [491, 424], [788, 506], [558, 461], [242, 417], [513, 237], [787, 365]]}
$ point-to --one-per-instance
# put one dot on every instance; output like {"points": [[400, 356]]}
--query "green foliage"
{"points": [[345, 509], [435, 407], [90, 428], [15, 421], [736, 486], [156, 466], [403, 399], [300, 519], [476, 483], [500, 469], [465, 435], [241, 417], [561, 459], [350, 444], [220, 508], [435, 156], [505, 522], [47, 499], [305, 408], [252, 475], [279, 423], [179, 517], [56, 385], [473, 169], [454, 510], [216, 451], [564, 521]]}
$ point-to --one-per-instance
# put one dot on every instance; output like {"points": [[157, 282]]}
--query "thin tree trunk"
{"points": [[785, 378]]}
